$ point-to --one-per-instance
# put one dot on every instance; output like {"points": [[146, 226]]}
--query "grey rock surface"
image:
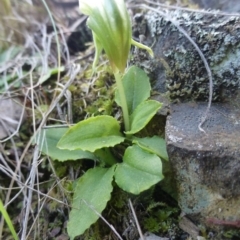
{"points": [[206, 166], [151, 236], [177, 67], [223, 5]]}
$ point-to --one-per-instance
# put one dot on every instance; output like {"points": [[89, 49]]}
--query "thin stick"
{"points": [[56, 38], [111, 226], [136, 220], [30, 192]]}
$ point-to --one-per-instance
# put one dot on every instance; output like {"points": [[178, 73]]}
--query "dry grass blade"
{"points": [[135, 219], [38, 52], [111, 226]]}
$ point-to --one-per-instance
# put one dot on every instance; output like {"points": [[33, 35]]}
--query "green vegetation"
{"points": [[121, 156], [8, 220]]}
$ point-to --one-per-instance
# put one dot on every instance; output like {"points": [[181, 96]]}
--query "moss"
{"points": [[93, 95]]}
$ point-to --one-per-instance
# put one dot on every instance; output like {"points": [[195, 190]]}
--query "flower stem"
{"points": [[142, 46], [123, 100]]}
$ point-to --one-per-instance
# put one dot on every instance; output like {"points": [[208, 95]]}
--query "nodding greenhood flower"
{"points": [[112, 30]]}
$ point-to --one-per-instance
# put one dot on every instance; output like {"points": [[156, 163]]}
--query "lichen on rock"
{"points": [[177, 66]]}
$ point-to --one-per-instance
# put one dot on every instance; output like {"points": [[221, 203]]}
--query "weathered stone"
{"points": [[151, 236], [206, 166], [224, 5], [177, 66]]}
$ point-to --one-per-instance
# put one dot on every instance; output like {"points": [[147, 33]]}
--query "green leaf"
{"points": [[8, 221], [10, 53], [47, 140], [139, 171], [49, 73], [98, 50], [136, 87], [105, 156], [7, 79], [142, 115], [93, 190], [153, 144], [92, 134]]}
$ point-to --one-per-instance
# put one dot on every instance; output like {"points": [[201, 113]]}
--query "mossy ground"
{"points": [[90, 95]]}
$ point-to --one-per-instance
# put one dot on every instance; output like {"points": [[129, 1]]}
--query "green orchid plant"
{"points": [[112, 31], [140, 165]]}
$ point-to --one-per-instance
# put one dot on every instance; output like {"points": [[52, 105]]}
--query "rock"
{"points": [[151, 236], [224, 5], [67, 13], [177, 67], [206, 166]]}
